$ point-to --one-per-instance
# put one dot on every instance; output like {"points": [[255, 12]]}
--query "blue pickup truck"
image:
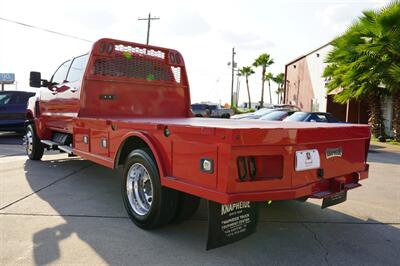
{"points": [[12, 110]]}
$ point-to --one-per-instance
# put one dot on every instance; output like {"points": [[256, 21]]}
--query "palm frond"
{"points": [[366, 55]]}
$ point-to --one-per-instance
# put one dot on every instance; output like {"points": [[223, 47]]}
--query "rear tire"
{"points": [[34, 148], [148, 204]]}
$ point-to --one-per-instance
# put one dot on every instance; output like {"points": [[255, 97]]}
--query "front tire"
{"points": [[34, 148], [148, 204]]}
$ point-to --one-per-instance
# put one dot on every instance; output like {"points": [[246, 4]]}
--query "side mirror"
{"points": [[36, 81]]}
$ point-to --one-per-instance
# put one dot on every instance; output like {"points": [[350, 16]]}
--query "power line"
{"points": [[47, 30]]}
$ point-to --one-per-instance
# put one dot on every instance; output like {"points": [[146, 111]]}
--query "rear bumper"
{"points": [[320, 189]]}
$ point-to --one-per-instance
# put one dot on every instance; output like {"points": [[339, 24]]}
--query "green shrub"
{"points": [[238, 111]]}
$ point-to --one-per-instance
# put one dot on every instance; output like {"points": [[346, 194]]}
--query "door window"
{"points": [[77, 68], [60, 75]]}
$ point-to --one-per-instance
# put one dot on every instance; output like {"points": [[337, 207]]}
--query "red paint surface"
{"points": [[144, 108]]}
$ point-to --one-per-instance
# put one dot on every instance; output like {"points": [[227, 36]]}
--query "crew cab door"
{"points": [[69, 92], [48, 97]]}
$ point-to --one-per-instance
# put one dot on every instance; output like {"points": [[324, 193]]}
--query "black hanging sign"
{"points": [[228, 223]]}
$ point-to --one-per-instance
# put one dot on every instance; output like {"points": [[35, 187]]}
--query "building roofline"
{"points": [[307, 54]]}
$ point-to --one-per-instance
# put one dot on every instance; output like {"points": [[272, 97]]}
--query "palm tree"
{"points": [[279, 92], [268, 77], [264, 60], [364, 63], [246, 72], [279, 79]]}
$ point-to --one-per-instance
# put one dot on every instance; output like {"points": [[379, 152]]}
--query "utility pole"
{"points": [[233, 74], [149, 19]]}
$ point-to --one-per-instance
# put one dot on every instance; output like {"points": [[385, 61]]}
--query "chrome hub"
{"points": [[139, 189]]}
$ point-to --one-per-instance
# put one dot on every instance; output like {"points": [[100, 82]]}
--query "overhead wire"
{"points": [[46, 30]]}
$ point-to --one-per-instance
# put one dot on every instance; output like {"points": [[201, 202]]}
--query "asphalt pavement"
{"points": [[69, 211]]}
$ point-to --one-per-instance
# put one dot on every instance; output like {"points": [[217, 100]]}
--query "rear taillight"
{"points": [[242, 168], [259, 167], [252, 167]]}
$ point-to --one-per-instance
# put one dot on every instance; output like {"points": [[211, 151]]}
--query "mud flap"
{"points": [[228, 223]]}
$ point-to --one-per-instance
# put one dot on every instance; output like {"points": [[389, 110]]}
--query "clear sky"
{"points": [[203, 31]]}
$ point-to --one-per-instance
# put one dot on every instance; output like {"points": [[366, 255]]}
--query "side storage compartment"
{"points": [[99, 143], [81, 139], [92, 136], [195, 163]]}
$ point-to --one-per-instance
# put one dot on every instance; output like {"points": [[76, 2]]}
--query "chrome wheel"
{"points": [[29, 141], [139, 189]]}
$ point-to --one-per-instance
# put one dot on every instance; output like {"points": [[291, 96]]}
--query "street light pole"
{"points": [[233, 74], [237, 87]]}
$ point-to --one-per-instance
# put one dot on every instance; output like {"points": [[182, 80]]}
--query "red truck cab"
{"points": [[128, 104]]}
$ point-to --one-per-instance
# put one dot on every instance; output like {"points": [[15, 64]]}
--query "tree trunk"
{"points": [[262, 87], [248, 91], [396, 115], [270, 95], [375, 116]]}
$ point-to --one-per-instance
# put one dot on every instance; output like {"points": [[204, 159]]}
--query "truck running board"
{"points": [[50, 143], [55, 145], [65, 148]]}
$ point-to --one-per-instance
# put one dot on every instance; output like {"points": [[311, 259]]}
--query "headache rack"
{"points": [[126, 79], [121, 60]]}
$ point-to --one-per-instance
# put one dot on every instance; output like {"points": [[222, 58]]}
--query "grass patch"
{"points": [[393, 142], [238, 111], [388, 141]]}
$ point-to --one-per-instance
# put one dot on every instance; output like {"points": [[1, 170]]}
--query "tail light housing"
{"points": [[253, 168], [242, 168]]}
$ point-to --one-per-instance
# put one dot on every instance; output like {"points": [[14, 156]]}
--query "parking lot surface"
{"points": [[69, 211]]}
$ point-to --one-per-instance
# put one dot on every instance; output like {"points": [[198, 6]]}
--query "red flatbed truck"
{"points": [[128, 104]]}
